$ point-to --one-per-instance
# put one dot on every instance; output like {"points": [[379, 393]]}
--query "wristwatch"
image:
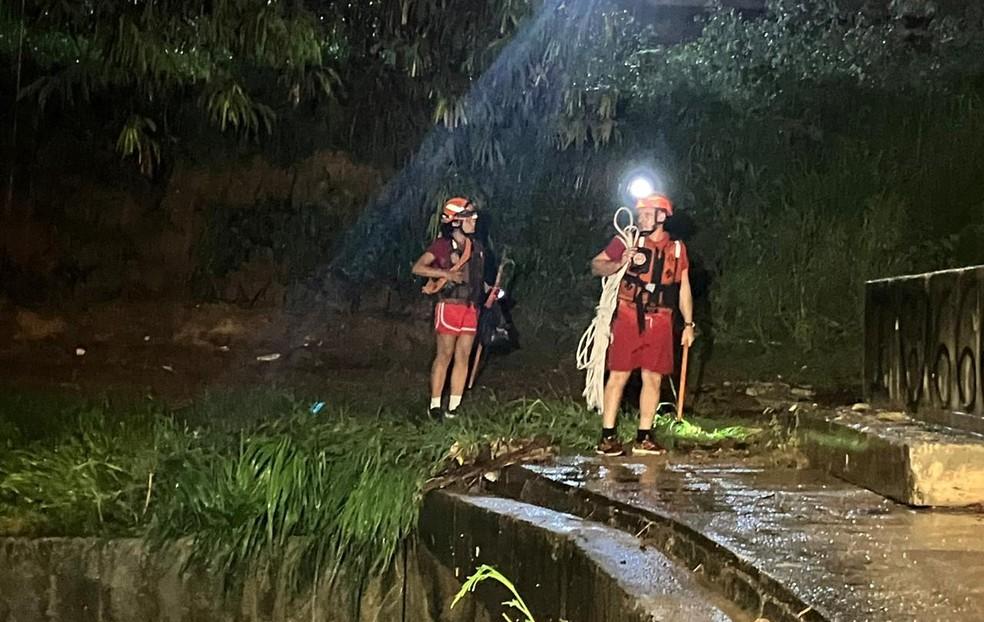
{"points": [[690, 324]]}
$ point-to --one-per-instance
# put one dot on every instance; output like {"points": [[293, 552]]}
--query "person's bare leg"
{"points": [[442, 359], [613, 396], [649, 398], [459, 373]]}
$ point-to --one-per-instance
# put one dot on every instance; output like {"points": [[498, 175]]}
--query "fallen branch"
{"points": [[537, 450]]}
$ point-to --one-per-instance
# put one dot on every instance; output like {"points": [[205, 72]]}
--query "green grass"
{"points": [[253, 477], [488, 573]]}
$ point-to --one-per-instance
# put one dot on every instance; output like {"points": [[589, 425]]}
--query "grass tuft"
{"points": [[258, 481]]}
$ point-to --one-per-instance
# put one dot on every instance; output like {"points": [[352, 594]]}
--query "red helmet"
{"points": [[655, 201], [456, 208]]}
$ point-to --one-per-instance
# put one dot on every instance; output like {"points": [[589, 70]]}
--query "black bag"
{"points": [[496, 332]]}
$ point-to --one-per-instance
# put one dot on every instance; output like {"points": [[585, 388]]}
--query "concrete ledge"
{"points": [[907, 460], [565, 568], [735, 578]]}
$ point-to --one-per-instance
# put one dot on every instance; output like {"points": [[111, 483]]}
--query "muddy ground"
{"points": [[176, 351]]}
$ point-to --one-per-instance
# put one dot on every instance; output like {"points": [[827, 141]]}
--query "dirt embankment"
{"points": [[238, 230]]}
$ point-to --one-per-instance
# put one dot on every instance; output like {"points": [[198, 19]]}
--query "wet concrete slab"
{"points": [[895, 455], [780, 539], [564, 567]]}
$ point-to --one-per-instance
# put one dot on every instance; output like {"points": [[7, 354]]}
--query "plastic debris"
{"points": [[167, 368], [266, 358], [316, 407], [79, 351]]}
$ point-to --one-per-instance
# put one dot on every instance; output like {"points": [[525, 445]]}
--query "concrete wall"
{"points": [[122, 580], [923, 345], [565, 567]]}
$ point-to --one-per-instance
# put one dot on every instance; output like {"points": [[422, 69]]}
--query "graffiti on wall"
{"points": [[923, 344]]}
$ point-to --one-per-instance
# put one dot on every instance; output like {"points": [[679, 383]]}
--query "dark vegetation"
{"points": [[245, 472], [808, 148]]}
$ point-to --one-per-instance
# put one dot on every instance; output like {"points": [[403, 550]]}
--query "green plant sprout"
{"points": [[486, 572]]}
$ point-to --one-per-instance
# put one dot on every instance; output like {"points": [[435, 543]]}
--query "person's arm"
{"points": [[423, 267], [603, 265], [686, 309]]}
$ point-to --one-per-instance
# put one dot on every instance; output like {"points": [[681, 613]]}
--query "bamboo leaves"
{"points": [[232, 107], [157, 54], [135, 140], [450, 113]]}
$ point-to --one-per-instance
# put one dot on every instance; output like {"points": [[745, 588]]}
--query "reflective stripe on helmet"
{"points": [[455, 208]]}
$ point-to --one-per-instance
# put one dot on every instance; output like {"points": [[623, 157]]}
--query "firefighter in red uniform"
{"points": [[455, 265], [655, 283]]}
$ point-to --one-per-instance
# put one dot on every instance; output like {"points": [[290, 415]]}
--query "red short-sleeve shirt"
{"points": [[441, 250]]}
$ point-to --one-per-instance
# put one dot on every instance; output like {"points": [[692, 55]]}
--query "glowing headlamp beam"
{"points": [[640, 187]]}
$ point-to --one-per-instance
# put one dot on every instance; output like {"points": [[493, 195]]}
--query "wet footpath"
{"points": [[790, 543]]}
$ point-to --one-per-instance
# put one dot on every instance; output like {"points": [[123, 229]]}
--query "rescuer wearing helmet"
{"points": [[655, 283], [455, 266]]}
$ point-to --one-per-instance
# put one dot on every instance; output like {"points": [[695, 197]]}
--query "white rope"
{"points": [[592, 348]]}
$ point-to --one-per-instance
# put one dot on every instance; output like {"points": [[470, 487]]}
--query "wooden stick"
{"points": [[474, 369], [683, 383]]}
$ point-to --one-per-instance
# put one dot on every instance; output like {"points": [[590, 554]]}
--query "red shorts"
{"points": [[652, 350], [451, 318]]}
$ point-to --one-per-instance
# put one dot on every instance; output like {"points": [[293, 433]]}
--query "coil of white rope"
{"points": [[593, 346]]}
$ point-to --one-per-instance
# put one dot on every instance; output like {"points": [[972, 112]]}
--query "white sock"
{"points": [[436, 402], [454, 402]]}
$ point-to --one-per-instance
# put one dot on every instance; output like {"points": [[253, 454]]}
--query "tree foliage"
{"points": [[804, 146], [137, 59], [760, 125], [241, 62], [538, 96], [812, 46]]}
